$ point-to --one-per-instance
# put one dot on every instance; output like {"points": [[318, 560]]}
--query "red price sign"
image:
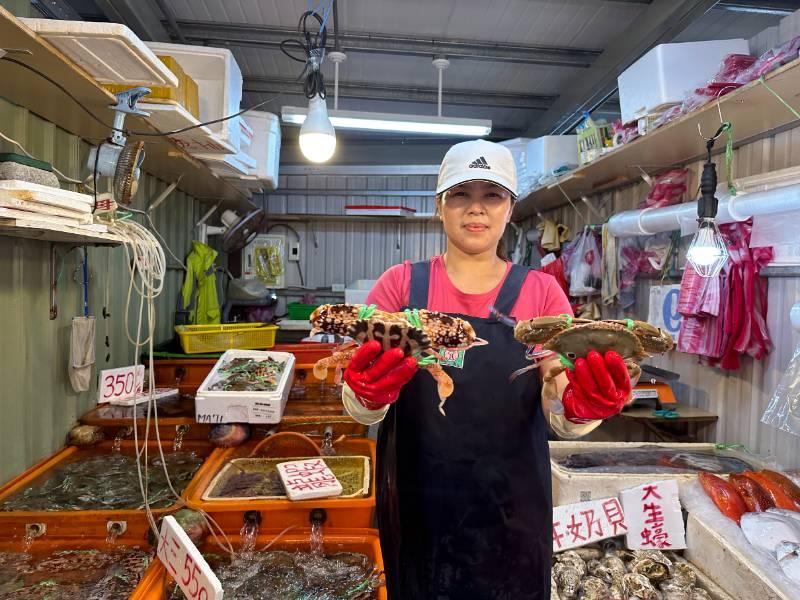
{"points": [[120, 384], [185, 563]]}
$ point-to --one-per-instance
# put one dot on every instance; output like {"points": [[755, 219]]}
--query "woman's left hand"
{"points": [[598, 388]]}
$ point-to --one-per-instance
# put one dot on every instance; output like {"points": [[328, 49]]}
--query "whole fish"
{"points": [[755, 497], [786, 513], [767, 531], [779, 497], [788, 555], [787, 485], [655, 458], [722, 493]]}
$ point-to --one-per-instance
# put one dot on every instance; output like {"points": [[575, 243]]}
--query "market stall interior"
{"points": [[229, 259]]}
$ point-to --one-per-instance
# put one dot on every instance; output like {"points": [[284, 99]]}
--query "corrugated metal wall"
{"points": [[739, 398], [37, 402], [342, 252]]}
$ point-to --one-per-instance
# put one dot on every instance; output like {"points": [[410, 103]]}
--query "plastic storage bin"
{"points": [[244, 407], [299, 311], [266, 148], [199, 339], [280, 513], [219, 81], [663, 76], [86, 523], [357, 292], [364, 541], [541, 156]]}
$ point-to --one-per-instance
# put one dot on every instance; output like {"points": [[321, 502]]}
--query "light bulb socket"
{"points": [[707, 204]]}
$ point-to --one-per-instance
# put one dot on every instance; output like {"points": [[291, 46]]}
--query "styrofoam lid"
{"points": [[109, 52]]}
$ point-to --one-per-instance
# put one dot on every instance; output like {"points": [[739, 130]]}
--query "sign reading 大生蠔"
{"points": [[653, 513], [184, 562], [120, 384], [583, 523]]}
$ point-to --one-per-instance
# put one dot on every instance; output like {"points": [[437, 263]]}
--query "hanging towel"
{"points": [[610, 268], [81, 353], [199, 293], [553, 235]]}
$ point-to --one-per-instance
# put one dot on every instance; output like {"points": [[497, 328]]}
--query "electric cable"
{"points": [[61, 175]]}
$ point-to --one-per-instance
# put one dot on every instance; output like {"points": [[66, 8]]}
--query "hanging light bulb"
{"points": [[317, 136], [707, 252]]}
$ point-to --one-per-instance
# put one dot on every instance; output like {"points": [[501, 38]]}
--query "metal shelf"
{"points": [[24, 88], [752, 109]]}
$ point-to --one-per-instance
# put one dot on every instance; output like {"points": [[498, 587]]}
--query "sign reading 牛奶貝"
{"points": [[582, 523]]}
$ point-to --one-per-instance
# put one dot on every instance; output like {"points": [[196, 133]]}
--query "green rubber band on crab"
{"points": [[629, 324], [423, 361], [565, 361], [568, 318], [741, 447], [413, 317], [365, 311]]}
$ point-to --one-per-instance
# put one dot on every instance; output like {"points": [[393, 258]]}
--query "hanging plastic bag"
{"points": [[81, 355], [668, 188], [783, 412], [583, 268]]}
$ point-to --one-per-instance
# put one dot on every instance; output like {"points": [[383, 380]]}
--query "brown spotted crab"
{"points": [[570, 338], [418, 332]]}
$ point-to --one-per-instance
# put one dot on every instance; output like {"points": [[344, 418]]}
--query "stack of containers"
{"points": [[539, 159]]}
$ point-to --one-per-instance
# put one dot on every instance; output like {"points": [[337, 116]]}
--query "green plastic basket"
{"points": [[299, 311]]}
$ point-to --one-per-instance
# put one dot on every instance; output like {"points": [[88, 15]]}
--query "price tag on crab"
{"points": [[583, 523], [655, 520], [184, 562], [120, 384]]}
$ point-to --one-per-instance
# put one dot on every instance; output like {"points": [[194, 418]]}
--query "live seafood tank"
{"points": [[589, 470], [337, 565], [234, 483], [68, 571], [606, 570], [96, 490]]}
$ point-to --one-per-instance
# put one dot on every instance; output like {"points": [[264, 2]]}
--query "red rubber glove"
{"points": [[597, 389], [376, 377]]}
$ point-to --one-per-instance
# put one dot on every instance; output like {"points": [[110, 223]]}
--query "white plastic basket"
{"points": [[244, 407]]}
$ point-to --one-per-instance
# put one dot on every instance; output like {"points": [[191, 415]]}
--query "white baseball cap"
{"points": [[478, 160]]}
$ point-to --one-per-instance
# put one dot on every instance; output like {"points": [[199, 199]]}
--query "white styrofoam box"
{"points": [[229, 165], [572, 485], [244, 407], [729, 564], [109, 52], [535, 157], [308, 479], [171, 117], [219, 84], [357, 292], [668, 71], [266, 146]]}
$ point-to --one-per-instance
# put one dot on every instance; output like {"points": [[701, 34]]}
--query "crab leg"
{"points": [[338, 360], [444, 384]]}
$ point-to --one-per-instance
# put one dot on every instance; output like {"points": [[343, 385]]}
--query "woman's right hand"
{"points": [[376, 377]]}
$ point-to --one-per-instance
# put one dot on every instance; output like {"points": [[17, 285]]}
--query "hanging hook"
{"points": [[571, 203], [723, 124]]}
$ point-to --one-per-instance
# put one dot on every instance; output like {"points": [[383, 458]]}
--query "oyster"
{"points": [[615, 591], [572, 559], [698, 594], [593, 589], [672, 591], [683, 574], [615, 565], [568, 580], [655, 570], [635, 584], [597, 569], [588, 554]]}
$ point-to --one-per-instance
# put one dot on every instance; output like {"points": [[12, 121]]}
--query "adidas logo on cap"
{"points": [[479, 164]]}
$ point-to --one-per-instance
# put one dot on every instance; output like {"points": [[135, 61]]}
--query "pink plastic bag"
{"points": [[770, 60], [668, 188]]}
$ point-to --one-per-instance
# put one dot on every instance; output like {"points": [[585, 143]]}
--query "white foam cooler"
{"points": [[663, 76], [266, 147], [535, 157], [571, 485], [219, 84]]}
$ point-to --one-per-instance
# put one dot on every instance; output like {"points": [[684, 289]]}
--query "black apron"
{"points": [[464, 500]]}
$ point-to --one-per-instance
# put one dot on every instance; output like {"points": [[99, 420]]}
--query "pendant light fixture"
{"points": [[707, 252], [317, 136]]}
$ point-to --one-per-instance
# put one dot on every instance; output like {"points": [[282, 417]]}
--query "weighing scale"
{"points": [[654, 389]]}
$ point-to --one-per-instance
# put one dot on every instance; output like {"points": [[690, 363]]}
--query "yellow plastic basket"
{"points": [[198, 339]]}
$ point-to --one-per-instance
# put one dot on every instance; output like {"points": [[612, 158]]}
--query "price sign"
{"points": [[583, 523], [654, 516], [185, 563], [120, 384]]}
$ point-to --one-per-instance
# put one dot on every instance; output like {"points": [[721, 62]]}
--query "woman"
{"points": [[464, 500]]}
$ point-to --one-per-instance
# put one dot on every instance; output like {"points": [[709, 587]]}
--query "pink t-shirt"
{"points": [[540, 295]]}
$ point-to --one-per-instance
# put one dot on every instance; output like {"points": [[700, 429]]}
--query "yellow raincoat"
{"points": [[199, 293]]}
